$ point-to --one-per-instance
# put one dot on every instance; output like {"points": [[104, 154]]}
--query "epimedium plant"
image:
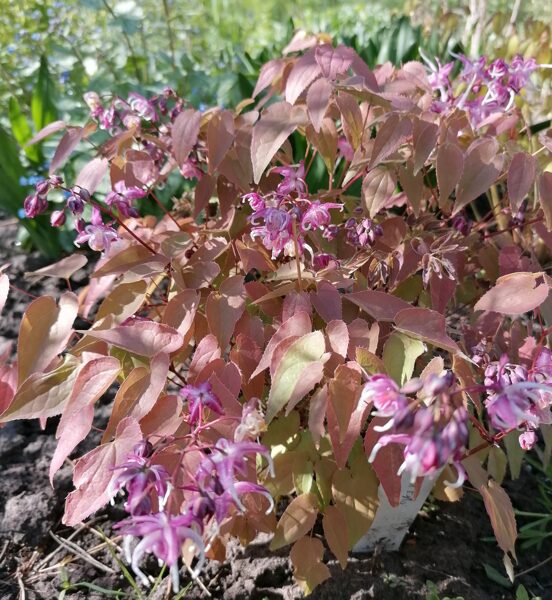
{"points": [[296, 337]]}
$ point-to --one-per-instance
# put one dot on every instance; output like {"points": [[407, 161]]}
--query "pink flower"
{"points": [[317, 215], [227, 460], [430, 445], [35, 205], [323, 260], [256, 201], [521, 403], [385, 394], [98, 235], [520, 72], [277, 231], [252, 422], [121, 197], [57, 218], [140, 479], [527, 440], [162, 535], [294, 179], [142, 106], [199, 398], [364, 233]]}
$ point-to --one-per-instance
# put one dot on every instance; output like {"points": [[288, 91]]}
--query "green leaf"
{"points": [[43, 108], [495, 576], [514, 452], [22, 131], [521, 593], [399, 356], [299, 370]]}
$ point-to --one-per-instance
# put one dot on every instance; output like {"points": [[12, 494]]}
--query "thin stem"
{"points": [[297, 261], [108, 212], [164, 209], [170, 32], [127, 41]]}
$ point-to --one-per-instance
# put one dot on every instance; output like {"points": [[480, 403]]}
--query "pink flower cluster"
{"points": [[490, 87], [283, 218], [132, 111], [520, 398], [213, 492], [96, 234], [432, 429]]}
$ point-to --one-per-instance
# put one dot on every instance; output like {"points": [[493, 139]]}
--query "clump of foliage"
{"points": [[353, 285]]}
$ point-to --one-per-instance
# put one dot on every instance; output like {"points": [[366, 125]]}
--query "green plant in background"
{"points": [[538, 525]]}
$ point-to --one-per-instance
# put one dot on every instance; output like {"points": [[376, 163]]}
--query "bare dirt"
{"points": [[446, 549]]}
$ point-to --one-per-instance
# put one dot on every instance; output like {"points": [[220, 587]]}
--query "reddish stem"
{"points": [[164, 209]]}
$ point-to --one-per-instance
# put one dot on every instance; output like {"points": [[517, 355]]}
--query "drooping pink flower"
{"points": [[385, 394], [252, 422], [121, 197], [363, 233], [520, 72], [323, 260], [428, 444], [228, 460], [199, 398], [527, 439], [142, 107], [57, 218], [525, 402], [163, 535], [293, 179], [35, 205], [317, 215], [140, 479], [98, 235]]}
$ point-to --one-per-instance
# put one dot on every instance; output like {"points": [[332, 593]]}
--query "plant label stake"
{"points": [[391, 523]]}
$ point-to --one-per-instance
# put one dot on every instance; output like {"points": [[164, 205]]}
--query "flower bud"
{"points": [[57, 218]]}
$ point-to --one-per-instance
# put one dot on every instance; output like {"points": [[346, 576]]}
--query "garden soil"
{"points": [[443, 556]]}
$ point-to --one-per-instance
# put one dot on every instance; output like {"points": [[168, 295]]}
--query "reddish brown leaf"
{"points": [[521, 175], [224, 308], [424, 141], [297, 325], [449, 167], [67, 144], [269, 72], [318, 98], [336, 534], [334, 61], [377, 188], [46, 131], [278, 122], [220, 136], [351, 117], [185, 131], [92, 174], [379, 305], [390, 136], [426, 325], [94, 473], [297, 520], [308, 568], [91, 383], [515, 294], [44, 331], [304, 72], [481, 169], [146, 338]]}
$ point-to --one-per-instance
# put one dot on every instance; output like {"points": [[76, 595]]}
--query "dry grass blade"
{"points": [[81, 553], [198, 581]]}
